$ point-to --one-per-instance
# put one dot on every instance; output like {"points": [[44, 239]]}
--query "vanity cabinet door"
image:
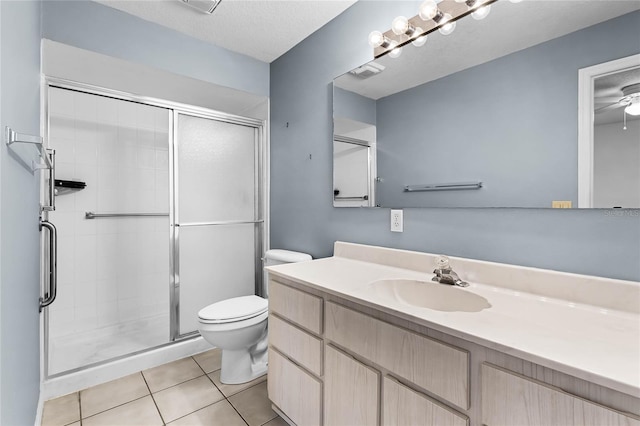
{"points": [[294, 391], [403, 406], [351, 391], [430, 364], [511, 399]]}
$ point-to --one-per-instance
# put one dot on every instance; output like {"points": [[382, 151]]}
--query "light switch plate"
{"points": [[396, 221]]}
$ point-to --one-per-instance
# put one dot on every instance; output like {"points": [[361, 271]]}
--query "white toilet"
{"points": [[238, 326]]}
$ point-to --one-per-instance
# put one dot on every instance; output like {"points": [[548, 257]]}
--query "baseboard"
{"points": [[39, 408]]}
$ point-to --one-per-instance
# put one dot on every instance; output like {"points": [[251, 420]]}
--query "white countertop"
{"points": [[594, 343]]}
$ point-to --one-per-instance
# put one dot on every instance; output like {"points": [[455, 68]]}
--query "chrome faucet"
{"points": [[446, 275]]}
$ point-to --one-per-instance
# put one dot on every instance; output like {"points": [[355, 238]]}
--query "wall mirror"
{"points": [[488, 115]]}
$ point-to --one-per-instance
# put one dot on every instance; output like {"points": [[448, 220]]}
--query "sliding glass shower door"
{"points": [[159, 213], [113, 234], [217, 215]]}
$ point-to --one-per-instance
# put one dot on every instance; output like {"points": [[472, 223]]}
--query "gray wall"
{"points": [[519, 112], [302, 216], [19, 208], [353, 106], [92, 26]]}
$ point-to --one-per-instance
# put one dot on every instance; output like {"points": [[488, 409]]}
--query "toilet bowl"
{"points": [[238, 326]]}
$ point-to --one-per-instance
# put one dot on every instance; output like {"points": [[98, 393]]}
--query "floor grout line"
{"points": [[152, 398], [236, 410], [80, 407], [111, 408]]}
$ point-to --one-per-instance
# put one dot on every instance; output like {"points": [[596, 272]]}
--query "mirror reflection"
{"points": [[616, 140], [488, 115]]}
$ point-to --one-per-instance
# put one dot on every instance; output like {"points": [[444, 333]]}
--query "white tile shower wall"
{"points": [[113, 270]]}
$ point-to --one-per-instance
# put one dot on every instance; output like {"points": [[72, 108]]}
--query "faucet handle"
{"points": [[442, 262]]}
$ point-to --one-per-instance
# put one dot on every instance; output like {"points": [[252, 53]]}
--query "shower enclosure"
{"points": [[159, 209]]}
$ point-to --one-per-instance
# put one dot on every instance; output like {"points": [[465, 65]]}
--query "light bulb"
{"points": [[481, 12], [400, 25], [420, 41], [376, 39], [449, 26], [395, 52], [428, 10], [633, 108]]}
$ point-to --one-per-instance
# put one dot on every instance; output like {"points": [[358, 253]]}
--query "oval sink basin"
{"points": [[429, 294]]}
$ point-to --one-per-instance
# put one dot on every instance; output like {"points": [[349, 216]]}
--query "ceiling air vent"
{"points": [[367, 70], [206, 6]]}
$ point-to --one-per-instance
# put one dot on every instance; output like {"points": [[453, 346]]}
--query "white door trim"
{"points": [[586, 77]]}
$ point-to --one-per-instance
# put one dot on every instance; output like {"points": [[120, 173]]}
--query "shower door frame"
{"points": [[259, 220], [175, 108]]}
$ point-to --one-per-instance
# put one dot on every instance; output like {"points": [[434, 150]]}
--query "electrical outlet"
{"points": [[396, 221]]}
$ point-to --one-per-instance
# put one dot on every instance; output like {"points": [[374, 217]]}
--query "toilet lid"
{"points": [[235, 309]]}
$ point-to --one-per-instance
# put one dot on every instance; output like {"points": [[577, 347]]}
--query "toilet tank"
{"points": [[278, 257]]}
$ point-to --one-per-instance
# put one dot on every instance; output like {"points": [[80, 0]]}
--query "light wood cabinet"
{"points": [[432, 365], [403, 406], [511, 399], [351, 391], [300, 346], [296, 306], [335, 362], [294, 391]]}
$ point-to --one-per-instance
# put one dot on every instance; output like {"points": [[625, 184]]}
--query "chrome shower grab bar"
{"points": [[443, 186], [92, 215], [50, 296]]}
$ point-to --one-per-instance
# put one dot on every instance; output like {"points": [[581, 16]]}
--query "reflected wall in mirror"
{"points": [[495, 103]]}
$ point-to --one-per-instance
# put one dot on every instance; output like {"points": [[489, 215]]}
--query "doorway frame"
{"points": [[586, 77]]}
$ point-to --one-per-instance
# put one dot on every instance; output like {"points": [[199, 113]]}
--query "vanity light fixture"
{"points": [[432, 15], [395, 52], [377, 39], [480, 10]]}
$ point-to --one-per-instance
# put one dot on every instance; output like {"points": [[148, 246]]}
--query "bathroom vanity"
{"points": [[366, 338]]}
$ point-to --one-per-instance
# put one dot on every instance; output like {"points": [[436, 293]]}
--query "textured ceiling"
{"points": [[262, 29]]}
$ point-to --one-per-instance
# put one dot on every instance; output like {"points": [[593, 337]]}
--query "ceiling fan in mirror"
{"points": [[630, 101]]}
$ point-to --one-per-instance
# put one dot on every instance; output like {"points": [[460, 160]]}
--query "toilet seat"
{"points": [[233, 310]]}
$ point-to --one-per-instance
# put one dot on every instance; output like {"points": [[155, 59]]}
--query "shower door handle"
{"points": [[50, 296]]}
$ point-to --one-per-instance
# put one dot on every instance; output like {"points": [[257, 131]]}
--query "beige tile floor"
{"points": [[184, 392]]}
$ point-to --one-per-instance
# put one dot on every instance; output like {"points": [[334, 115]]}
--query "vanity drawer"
{"points": [[297, 306], [511, 399], [404, 406], [294, 391], [435, 366], [302, 347]]}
